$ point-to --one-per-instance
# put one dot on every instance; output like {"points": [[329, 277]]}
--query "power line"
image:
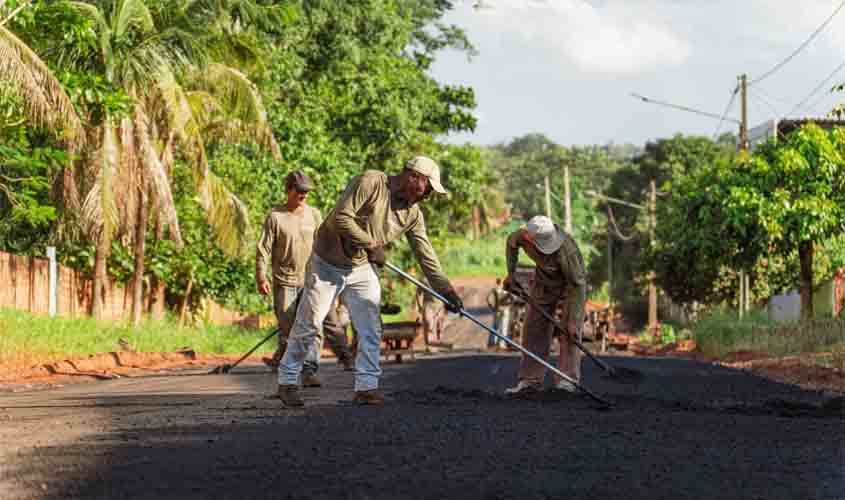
{"points": [[766, 94], [775, 112], [800, 47], [725, 113], [683, 108], [818, 87], [616, 227]]}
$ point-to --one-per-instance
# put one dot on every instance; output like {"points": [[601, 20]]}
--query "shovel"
{"points": [[510, 342]]}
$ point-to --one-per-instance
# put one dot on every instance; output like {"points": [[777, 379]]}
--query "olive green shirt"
{"points": [[560, 275], [369, 214], [286, 241]]}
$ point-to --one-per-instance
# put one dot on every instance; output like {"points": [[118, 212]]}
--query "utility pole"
{"points": [[567, 200], [548, 198], [652, 288], [609, 288], [743, 146]]}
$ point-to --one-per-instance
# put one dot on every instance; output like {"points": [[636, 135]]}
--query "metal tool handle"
{"points": [[268, 337], [572, 338], [510, 342]]}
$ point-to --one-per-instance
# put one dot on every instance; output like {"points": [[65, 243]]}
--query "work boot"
{"points": [[523, 388], [310, 380], [289, 394], [373, 397], [347, 363]]}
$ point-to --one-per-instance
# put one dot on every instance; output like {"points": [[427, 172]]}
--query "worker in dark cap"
{"points": [[286, 241]]}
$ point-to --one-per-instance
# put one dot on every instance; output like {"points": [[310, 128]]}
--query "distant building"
{"points": [[780, 128]]}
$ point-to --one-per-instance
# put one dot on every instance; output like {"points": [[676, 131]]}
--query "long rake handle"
{"points": [[510, 342], [563, 330], [236, 363]]}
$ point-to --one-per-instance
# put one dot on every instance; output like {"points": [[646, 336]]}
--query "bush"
{"points": [[720, 332]]}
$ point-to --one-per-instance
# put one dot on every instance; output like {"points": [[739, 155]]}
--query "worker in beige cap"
{"points": [[374, 210], [559, 276]]}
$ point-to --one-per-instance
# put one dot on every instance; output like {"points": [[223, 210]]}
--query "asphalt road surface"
{"points": [[689, 430]]}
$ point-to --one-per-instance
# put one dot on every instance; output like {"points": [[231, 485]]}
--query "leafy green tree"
{"points": [[795, 191], [665, 161], [770, 213], [29, 161]]}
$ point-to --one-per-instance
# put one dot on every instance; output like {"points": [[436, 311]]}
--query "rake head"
{"points": [[221, 370]]}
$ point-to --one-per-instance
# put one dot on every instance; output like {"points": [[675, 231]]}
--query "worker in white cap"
{"points": [[374, 210], [559, 276]]}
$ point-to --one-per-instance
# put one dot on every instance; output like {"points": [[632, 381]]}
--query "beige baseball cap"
{"points": [[428, 168], [546, 237]]}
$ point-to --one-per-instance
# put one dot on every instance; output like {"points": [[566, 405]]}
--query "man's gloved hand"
{"points": [[455, 303], [376, 255]]}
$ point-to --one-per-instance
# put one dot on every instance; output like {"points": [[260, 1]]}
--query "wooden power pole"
{"points": [[567, 200], [548, 198], [743, 146], [652, 288]]}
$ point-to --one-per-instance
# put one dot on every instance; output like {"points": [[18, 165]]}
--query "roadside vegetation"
{"points": [[26, 339], [720, 332]]}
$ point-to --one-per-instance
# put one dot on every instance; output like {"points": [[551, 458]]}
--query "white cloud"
{"points": [[563, 66], [594, 39]]}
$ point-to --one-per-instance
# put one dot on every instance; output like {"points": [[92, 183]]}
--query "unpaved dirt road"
{"points": [[691, 430]]}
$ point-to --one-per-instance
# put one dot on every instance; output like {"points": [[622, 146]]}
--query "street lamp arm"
{"points": [[613, 200]]}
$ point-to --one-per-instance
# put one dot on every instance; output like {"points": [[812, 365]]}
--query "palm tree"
{"points": [[44, 100], [162, 60]]}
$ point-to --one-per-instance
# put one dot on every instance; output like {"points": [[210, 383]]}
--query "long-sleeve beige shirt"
{"points": [[369, 214], [287, 241], [558, 276]]}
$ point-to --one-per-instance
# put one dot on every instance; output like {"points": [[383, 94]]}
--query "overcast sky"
{"points": [[566, 67]]}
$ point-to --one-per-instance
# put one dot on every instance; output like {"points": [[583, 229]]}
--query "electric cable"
{"points": [[725, 113], [818, 87], [800, 47], [775, 112]]}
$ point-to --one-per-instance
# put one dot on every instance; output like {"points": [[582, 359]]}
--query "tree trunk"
{"points": [[805, 256], [476, 223], [101, 255], [157, 292], [183, 312], [140, 250]]}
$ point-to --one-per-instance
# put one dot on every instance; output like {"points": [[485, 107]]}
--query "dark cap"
{"points": [[299, 181]]}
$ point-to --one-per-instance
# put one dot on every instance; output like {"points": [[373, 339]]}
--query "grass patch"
{"points": [[483, 257], [721, 332], [26, 339]]}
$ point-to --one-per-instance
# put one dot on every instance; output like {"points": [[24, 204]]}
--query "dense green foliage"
{"points": [[767, 213], [345, 86]]}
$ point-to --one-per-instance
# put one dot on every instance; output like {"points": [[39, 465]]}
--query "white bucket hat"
{"points": [[546, 237], [428, 168]]}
